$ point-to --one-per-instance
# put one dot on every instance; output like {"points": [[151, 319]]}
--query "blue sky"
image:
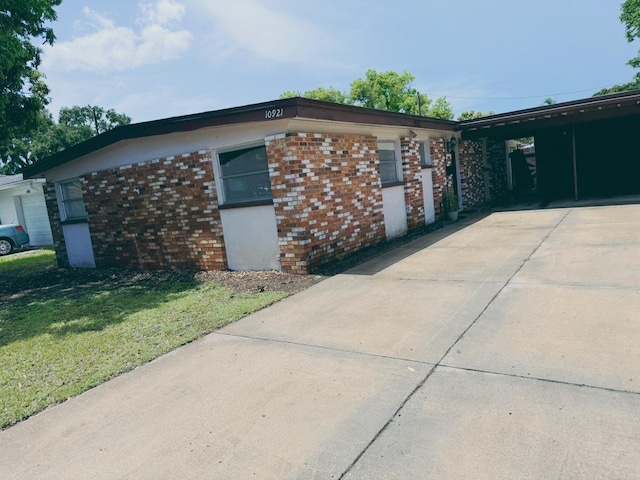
{"points": [[159, 58]]}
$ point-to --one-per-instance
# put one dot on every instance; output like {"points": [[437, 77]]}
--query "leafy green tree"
{"points": [[97, 118], [472, 114], [23, 93], [49, 137], [325, 94], [390, 91], [441, 109], [630, 17], [625, 87], [549, 101]]}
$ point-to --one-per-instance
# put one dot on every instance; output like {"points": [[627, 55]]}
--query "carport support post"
{"points": [[575, 161]]}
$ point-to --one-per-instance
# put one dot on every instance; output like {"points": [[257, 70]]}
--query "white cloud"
{"points": [[161, 12], [118, 48], [272, 34]]}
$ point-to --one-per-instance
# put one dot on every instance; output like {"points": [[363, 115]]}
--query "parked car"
{"points": [[12, 237]]}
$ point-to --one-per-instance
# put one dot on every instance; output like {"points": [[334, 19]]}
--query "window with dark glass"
{"points": [[388, 162], [72, 201], [245, 175], [425, 155]]}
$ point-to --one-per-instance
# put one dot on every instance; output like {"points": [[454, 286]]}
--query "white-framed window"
{"points": [[388, 162], [425, 155], [71, 201], [244, 175]]}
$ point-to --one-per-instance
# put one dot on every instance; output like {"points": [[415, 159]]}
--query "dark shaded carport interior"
{"points": [[584, 148]]}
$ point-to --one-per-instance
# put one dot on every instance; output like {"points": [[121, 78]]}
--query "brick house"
{"points": [[287, 185]]}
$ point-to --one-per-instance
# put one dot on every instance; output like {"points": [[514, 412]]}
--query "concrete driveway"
{"points": [[506, 349]]}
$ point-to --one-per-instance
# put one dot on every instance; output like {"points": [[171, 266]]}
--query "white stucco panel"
{"points": [[251, 238], [79, 247], [429, 204], [395, 212]]}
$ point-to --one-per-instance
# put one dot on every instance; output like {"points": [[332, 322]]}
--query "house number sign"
{"points": [[274, 113]]}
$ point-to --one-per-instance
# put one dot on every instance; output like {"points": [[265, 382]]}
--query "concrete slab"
{"points": [[524, 218], [473, 264], [603, 265], [490, 236], [223, 407], [596, 234], [326, 370], [608, 214], [409, 319], [463, 425], [580, 335]]}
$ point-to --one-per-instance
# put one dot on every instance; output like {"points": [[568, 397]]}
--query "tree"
{"points": [[325, 94], [630, 17], [625, 87], [97, 118], [48, 137], [390, 91], [472, 114], [441, 109], [548, 101], [23, 93]]}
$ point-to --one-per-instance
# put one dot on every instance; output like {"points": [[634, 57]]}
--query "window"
{"points": [[72, 202], [245, 175], [388, 162], [425, 155]]}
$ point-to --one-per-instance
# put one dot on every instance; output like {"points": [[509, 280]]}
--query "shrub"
{"points": [[450, 202]]}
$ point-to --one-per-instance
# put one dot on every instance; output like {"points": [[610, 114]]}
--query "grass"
{"points": [[58, 342], [29, 264]]}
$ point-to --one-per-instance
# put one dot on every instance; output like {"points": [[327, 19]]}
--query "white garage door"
{"points": [[36, 220]]}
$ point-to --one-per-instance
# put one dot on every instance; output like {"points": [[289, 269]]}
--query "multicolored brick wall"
{"points": [[497, 159], [56, 227], [326, 190], [412, 177], [440, 158], [327, 197], [471, 173], [157, 214]]}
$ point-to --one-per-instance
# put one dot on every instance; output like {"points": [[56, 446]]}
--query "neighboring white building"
{"points": [[22, 202]]}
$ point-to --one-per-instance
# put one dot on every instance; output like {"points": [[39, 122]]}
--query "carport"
{"points": [[584, 148]]}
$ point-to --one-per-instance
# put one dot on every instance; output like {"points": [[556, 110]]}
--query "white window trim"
{"points": [[396, 148], [217, 170], [61, 201], [427, 149]]}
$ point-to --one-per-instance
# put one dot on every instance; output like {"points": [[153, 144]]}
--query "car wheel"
{"points": [[5, 246]]}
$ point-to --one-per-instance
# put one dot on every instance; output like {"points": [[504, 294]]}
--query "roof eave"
{"points": [[296, 107], [547, 111]]}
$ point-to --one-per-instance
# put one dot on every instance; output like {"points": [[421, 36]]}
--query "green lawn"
{"points": [[59, 340]]}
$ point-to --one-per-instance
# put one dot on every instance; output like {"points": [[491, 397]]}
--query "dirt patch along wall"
{"points": [[157, 214], [327, 197]]}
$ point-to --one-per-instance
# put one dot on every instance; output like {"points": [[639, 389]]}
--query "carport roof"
{"points": [[525, 122], [286, 108]]}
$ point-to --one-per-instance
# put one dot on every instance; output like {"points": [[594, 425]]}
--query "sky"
{"points": [[155, 59]]}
